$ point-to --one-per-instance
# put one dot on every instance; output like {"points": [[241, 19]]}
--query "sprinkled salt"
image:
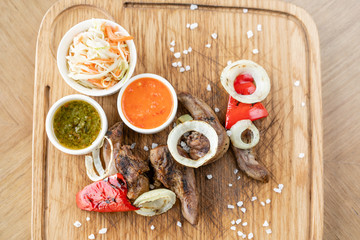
{"points": [[250, 34], [193, 7], [91, 236], [245, 10], [152, 227], [233, 222], [133, 145], [238, 178], [281, 186], [238, 221], [177, 55], [259, 27], [182, 69], [239, 203], [217, 110], [255, 51], [243, 210], [297, 83], [231, 206], [266, 224], [214, 36], [250, 235], [151, 186], [193, 26], [236, 171], [185, 52], [208, 88], [103, 231], [244, 236], [77, 224], [209, 176], [174, 64], [208, 45], [172, 43], [229, 62], [146, 148], [233, 228], [277, 190], [87, 218], [253, 199], [187, 68], [228, 132], [262, 203], [268, 201], [303, 104], [172, 49], [154, 145], [230, 185], [179, 224], [188, 25], [182, 144], [189, 49], [244, 224], [179, 63], [268, 231], [239, 233], [301, 155]]}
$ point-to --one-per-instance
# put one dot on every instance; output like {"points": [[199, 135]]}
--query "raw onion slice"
{"points": [[236, 131], [257, 72], [155, 202], [94, 161], [199, 126]]}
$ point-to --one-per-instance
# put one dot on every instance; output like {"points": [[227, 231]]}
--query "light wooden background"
{"points": [[339, 29]]}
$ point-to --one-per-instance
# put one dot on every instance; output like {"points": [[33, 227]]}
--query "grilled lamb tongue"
{"points": [[248, 164], [199, 145], [178, 178], [132, 168]]}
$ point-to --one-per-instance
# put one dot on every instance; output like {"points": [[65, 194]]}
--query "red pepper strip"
{"points": [[237, 111], [244, 84], [108, 195]]}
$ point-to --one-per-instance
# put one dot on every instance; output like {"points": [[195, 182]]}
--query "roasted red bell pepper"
{"points": [[244, 84], [107, 195], [237, 111]]}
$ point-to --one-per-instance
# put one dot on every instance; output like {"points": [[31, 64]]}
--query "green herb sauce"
{"points": [[76, 124]]}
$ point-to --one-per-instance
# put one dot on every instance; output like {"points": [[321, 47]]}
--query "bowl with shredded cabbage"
{"points": [[96, 57]]}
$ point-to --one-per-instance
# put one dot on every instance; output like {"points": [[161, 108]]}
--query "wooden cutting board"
{"points": [[289, 51]]}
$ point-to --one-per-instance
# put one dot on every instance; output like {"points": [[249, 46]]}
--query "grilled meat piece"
{"points": [[199, 110], [115, 134], [199, 145], [248, 164], [132, 168], [178, 178]]}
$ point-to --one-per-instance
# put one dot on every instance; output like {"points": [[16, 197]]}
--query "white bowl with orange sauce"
{"points": [[147, 103]]}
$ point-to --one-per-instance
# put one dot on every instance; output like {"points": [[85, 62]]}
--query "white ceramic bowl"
{"points": [[63, 52], [50, 129], [172, 114]]}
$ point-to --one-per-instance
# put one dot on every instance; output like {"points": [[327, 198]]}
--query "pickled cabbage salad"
{"points": [[99, 58]]}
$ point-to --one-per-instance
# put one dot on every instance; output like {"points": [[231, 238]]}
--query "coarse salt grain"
{"points": [[189, 49], [87, 218], [262, 203], [230, 185], [193, 7], [208, 45], [233, 228], [188, 25], [303, 104], [185, 52], [255, 51], [146, 148], [231, 206], [228, 132], [253, 199], [229, 62], [91, 236], [245, 10], [179, 224], [297, 83], [151, 186], [244, 224], [214, 36], [249, 34], [239, 203], [236, 171], [172, 49], [233, 222], [177, 55], [239, 233], [179, 64], [152, 227], [243, 210], [259, 27], [238, 178], [277, 190], [172, 43], [77, 224], [209, 176], [250, 235], [103, 231], [268, 231], [244, 236], [281, 186], [193, 26], [182, 69], [182, 144], [268, 201], [174, 64], [154, 145], [217, 110], [266, 224], [301, 155], [238, 221], [208, 88], [133, 145], [187, 68]]}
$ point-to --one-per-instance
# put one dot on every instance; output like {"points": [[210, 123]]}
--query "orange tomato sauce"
{"points": [[147, 103]]}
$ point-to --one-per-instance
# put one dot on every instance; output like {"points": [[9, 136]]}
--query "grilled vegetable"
{"points": [[155, 202]]}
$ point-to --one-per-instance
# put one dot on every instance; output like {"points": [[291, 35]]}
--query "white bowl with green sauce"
{"points": [[76, 124]]}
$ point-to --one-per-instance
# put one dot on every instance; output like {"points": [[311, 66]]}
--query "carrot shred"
{"points": [[115, 38]]}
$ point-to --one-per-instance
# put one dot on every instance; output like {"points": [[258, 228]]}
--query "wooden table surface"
{"points": [[339, 30]]}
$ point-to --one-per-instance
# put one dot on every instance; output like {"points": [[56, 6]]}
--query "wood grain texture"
{"points": [[339, 30], [289, 54]]}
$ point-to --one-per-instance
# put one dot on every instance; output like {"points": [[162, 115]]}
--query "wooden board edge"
{"points": [[317, 192]]}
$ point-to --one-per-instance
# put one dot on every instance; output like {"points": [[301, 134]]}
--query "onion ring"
{"points": [[257, 72], [199, 126], [155, 202], [236, 131]]}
